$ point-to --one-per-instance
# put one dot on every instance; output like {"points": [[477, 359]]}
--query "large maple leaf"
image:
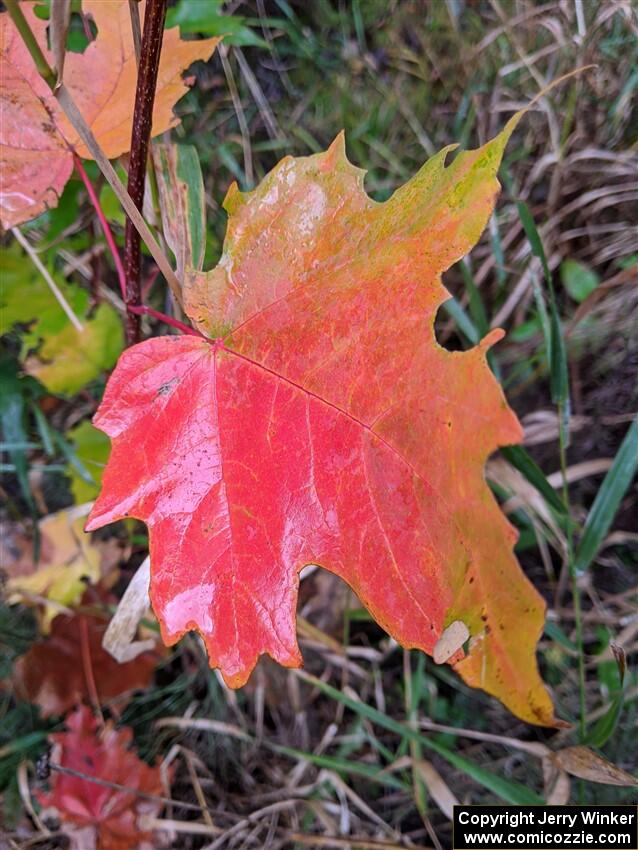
{"points": [[324, 424], [36, 139]]}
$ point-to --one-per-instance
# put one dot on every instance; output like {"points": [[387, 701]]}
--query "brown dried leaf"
{"points": [[586, 764]]}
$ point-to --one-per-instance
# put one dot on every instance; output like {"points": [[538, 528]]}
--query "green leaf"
{"points": [[527, 466], [207, 18], [26, 299], [67, 361], [181, 195], [92, 449], [554, 631], [608, 499], [579, 280], [606, 725], [63, 359]]}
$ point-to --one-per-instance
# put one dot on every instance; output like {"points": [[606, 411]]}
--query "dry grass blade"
{"points": [[586, 764], [557, 784], [437, 787], [119, 638], [79, 124], [252, 819], [352, 843], [136, 28], [37, 262], [58, 30]]}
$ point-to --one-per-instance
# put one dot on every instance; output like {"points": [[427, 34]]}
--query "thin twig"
{"points": [[108, 234], [115, 786], [241, 118], [136, 28], [152, 37], [37, 262], [143, 310]]}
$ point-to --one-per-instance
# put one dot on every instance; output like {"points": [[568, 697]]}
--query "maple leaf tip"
{"points": [[491, 338]]}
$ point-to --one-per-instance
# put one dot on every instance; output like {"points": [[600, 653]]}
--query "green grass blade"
{"points": [[559, 380], [507, 790], [69, 453], [477, 308], [527, 466], [354, 768], [467, 327], [605, 726], [607, 501]]}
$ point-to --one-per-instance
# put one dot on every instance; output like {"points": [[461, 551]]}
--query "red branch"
{"points": [[134, 309], [152, 36]]}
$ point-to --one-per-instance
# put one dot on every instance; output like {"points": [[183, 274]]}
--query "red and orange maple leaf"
{"points": [[324, 424], [36, 138], [96, 815]]}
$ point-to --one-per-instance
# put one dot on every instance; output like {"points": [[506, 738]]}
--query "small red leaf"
{"points": [[111, 816]]}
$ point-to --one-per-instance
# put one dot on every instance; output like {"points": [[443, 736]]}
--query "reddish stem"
{"points": [[108, 235], [135, 309], [85, 648], [143, 310], [152, 36]]}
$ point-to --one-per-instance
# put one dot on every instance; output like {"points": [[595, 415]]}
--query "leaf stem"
{"points": [[87, 664], [139, 309], [108, 233], [152, 37], [143, 310]]}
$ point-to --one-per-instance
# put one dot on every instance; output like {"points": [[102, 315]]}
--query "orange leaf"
{"points": [[95, 815], [326, 425], [35, 135]]}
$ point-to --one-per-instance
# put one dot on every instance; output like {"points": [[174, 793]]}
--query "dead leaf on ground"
{"points": [[586, 764], [69, 559], [95, 816], [54, 675]]}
